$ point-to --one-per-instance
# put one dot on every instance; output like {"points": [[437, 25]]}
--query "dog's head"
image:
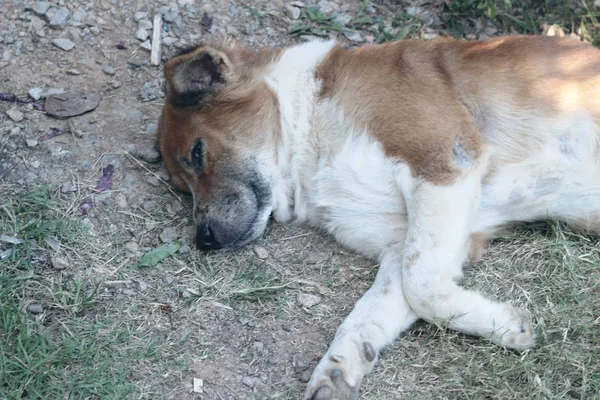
{"points": [[217, 136]]}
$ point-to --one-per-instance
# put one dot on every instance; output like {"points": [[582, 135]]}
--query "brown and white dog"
{"points": [[412, 153]]}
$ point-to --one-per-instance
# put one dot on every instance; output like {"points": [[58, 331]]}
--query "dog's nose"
{"points": [[205, 238]]}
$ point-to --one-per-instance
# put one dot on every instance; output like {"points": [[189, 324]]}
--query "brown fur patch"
{"points": [[421, 99]]}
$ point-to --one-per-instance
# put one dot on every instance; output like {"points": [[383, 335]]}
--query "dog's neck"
{"points": [[292, 79]]}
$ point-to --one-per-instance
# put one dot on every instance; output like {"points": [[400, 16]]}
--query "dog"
{"points": [[412, 153]]}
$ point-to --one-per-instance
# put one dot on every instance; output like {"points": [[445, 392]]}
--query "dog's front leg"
{"points": [[439, 223], [376, 320]]}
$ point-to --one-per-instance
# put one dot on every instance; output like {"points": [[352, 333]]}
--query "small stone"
{"points": [[36, 164], [248, 381], [129, 292], [168, 41], [354, 36], [15, 115], [59, 19], [31, 143], [154, 181], [36, 308], [59, 263], [94, 30], [79, 15], [36, 24], [68, 188], [305, 376], [63, 44], [259, 347], [40, 7], [316, 257], [286, 326], [109, 70], [36, 93], [291, 11], [146, 45], [132, 247], [116, 84], [74, 72], [140, 15], [146, 153], [52, 91], [198, 384], [261, 252], [144, 24], [142, 34], [169, 234], [308, 300], [151, 128], [171, 16], [121, 200], [142, 286]]}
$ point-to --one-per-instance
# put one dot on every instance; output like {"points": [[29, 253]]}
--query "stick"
{"points": [[156, 28]]}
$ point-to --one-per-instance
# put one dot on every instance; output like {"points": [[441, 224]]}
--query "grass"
{"points": [[75, 348], [460, 18]]}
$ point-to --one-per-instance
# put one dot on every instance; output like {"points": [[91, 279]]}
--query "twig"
{"points": [[156, 28]]}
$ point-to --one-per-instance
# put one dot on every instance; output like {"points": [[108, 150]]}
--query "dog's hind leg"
{"points": [[439, 224], [376, 320]]}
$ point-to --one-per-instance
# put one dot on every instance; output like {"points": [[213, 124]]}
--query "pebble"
{"points": [[31, 143], [73, 72], [308, 300], [15, 115], [36, 164], [59, 19], [142, 34], [36, 308], [146, 153], [168, 235], [146, 45], [354, 36], [121, 200], [139, 16], [142, 286], [59, 263], [36, 93], [40, 7], [317, 256], [144, 24], [68, 188], [95, 30], [154, 181], [129, 292], [291, 11], [63, 44], [109, 70], [261, 252], [249, 381], [132, 247]]}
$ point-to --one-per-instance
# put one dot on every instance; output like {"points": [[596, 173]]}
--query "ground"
{"points": [[86, 315]]}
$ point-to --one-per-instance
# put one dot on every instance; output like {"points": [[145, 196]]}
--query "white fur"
{"points": [[334, 175]]}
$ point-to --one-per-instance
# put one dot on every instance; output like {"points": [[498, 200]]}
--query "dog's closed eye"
{"points": [[197, 156]]}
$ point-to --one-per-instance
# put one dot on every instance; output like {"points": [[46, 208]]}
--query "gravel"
{"points": [[59, 19], [63, 44], [15, 115]]}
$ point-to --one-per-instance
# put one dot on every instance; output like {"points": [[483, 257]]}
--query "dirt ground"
{"points": [[241, 322]]}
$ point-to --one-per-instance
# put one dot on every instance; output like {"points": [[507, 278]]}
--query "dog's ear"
{"points": [[194, 77]]}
